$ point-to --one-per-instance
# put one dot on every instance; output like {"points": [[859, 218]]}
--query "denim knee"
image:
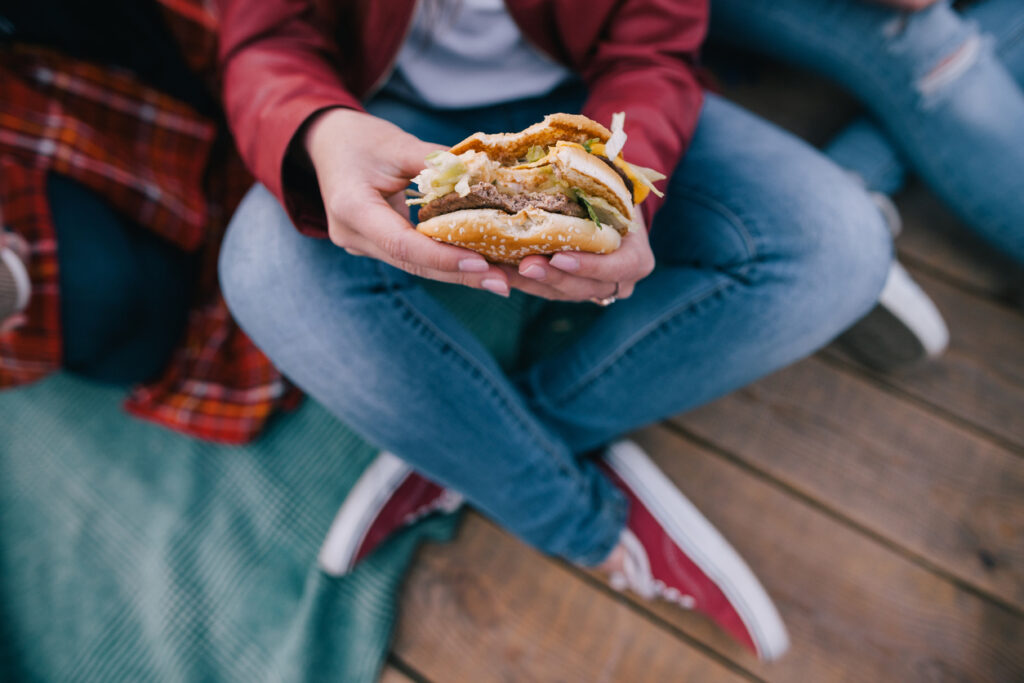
{"points": [[247, 261], [847, 259]]}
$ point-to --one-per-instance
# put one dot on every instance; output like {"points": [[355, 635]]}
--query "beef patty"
{"points": [[622, 174], [486, 196]]}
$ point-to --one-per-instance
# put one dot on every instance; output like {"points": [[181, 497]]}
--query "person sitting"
{"points": [[944, 93], [761, 252]]}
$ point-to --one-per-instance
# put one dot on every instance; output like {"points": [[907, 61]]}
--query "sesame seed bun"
{"points": [[509, 147], [509, 238], [594, 177]]}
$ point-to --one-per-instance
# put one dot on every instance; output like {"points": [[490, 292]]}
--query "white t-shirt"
{"points": [[471, 53]]}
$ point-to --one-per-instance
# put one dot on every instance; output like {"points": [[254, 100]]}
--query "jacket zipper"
{"points": [[394, 60]]}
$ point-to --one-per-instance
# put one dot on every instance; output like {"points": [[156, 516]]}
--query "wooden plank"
{"points": [[393, 675], [856, 610], [487, 608], [799, 101], [908, 476], [980, 376], [980, 379]]}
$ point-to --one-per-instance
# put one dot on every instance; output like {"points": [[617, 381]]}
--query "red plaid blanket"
{"points": [[166, 168]]}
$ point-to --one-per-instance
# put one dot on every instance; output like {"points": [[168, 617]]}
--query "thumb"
{"points": [[413, 158]]}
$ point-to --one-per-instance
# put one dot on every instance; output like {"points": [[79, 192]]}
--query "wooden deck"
{"points": [[883, 512]]}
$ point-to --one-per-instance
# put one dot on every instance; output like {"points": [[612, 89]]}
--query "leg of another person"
{"points": [[1004, 21], [929, 77], [765, 251], [864, 148], [124, 291]]}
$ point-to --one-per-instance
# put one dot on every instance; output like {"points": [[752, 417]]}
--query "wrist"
{"points": [[314, 130]]}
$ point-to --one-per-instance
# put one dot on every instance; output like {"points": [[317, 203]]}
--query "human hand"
{"points": [[580, 276], [363, 164], [907, 5]]}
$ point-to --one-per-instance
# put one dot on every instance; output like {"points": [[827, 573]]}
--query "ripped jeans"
{"points": [[940, 85]]}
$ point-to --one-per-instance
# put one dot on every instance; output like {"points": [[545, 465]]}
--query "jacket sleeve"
{"points": [[644, 66], [277, 70]]}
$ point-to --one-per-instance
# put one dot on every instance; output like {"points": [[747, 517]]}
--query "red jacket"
{"points": [[284, 60]]}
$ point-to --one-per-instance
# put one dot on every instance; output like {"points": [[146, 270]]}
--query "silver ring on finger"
{"points": [[608, 300]]}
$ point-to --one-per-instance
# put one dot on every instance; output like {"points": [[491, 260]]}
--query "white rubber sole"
{"points": [[910, 304], [904, 328], [22, 283], [709, 550], [364, 501]]}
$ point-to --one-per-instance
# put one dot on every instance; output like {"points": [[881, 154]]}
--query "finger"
{"points": [[476, 273], [413, 157], [346, 238], [569, 289], [631, 262], [368, 224], [489, 278], [366, 215], [574, 287], [400, 243], [535, 288], [397, 202], [492, 280]]}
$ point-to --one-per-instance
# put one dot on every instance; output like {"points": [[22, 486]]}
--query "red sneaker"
{"points": [[388, 496], [675, 554]]}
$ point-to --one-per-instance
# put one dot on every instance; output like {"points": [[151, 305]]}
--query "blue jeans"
{"points": [[943, 92], [765, 251]]}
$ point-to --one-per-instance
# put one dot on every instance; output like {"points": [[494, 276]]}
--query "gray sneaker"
{"points": [[904, 328]]}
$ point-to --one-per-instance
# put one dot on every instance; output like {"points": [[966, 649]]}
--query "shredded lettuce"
{"points": [[618, 139], [582, 199], [536, 153], [587, 145], [446, 172]]}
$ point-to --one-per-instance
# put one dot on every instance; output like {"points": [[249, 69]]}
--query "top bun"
{"points": [[591, 175], [510, 147]]}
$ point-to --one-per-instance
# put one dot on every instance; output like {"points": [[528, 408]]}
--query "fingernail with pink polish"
{"points": [[496, 286], [473, 265], [533, 272], [565, 262]]}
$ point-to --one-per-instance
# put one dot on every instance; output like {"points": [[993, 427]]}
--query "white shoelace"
{"points": [[637, 576], [448, 501]]}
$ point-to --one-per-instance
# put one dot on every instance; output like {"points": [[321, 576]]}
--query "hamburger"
{"points": [[559, 185]]}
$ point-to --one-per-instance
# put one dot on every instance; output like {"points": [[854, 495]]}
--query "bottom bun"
{"points": [[509, 238]]}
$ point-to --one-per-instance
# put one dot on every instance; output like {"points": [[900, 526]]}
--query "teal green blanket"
{"points": [[130, 553]]}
